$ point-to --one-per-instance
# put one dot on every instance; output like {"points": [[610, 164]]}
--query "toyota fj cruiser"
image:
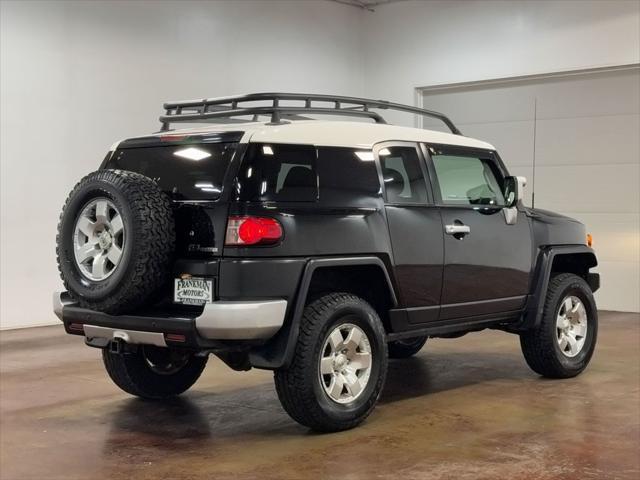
{"points": [[316, 249]]}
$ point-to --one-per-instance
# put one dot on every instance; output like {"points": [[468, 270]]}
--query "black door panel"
{"points": [[487, 262], [415, 229], [416, 238], [492, 261]]}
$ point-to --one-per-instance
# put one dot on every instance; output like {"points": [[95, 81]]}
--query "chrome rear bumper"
{"points": [[241, 320], [222, 320]]}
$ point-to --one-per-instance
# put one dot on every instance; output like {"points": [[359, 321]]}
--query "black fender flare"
{"points": [[542, 275], [278, 351]]}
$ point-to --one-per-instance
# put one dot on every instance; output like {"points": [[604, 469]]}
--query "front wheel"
{"points": [[562, 345], [339, 365], [154, 372]]}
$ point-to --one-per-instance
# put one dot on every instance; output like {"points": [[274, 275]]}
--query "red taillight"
{"points": [[253, 231]]}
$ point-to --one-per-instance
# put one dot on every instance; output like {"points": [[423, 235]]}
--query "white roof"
{"points": [[334, 133]]}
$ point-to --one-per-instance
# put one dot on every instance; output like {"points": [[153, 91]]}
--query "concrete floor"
{"points": [[463, 408]]}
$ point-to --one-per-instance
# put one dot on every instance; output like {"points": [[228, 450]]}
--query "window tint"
{"points": [[186, 172], [403, 178], [468, 180], [344, 176], [278, 172]]}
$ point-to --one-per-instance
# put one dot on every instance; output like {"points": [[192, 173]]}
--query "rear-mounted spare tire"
{"points": [[116, 238]]}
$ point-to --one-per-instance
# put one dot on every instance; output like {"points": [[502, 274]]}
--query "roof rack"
{"points": [[228, 107]]}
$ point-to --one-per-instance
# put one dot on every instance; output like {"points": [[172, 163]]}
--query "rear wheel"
{"points": [[562, 345], [407, 347], [339, 365], [154, 372]]}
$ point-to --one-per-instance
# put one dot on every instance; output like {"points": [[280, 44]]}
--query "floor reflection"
{"points": [[174, 423], [429, 372]]}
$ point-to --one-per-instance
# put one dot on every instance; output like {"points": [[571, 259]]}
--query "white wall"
{"points": [[76, 76], [424, 43]]}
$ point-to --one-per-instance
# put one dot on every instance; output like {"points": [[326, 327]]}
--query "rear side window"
{"points": [[305, 173], [403, 178], [278, 172], [346, 177], [467, 180]]}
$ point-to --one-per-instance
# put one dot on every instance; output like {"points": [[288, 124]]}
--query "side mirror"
{"points": [[514, 190]]}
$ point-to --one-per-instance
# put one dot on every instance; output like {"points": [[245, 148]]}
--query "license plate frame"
{"points": [[192, 291]]}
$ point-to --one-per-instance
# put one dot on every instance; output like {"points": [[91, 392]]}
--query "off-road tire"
{"points": [[299, 386], [146, 254], [132, 373], [540, 346], [406, 348]]}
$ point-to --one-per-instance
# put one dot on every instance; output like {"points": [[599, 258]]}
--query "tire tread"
{"points": [[538, 344]]}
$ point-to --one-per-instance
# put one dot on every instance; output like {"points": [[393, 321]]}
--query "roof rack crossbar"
{"points": [[194, 111]]}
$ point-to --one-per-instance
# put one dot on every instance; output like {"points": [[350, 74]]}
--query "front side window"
{"points": [[467, 180], [403, 178], [278, 173]]}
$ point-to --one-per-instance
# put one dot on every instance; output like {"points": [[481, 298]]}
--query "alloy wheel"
{"points": [[99, 238], [571, 326], [345, 363]]}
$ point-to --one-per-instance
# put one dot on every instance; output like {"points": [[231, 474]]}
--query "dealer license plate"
{"points": [[193, 291]]}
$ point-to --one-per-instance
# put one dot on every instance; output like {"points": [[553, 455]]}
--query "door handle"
{"points": [[460, 230]]}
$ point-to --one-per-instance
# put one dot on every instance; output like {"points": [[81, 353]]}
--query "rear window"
{"points": [[304, 173], [187, 172]]}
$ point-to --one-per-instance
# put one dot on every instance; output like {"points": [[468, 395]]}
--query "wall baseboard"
{"points": [[35, 325]]}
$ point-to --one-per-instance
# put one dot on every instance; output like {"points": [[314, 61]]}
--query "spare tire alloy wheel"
{"points": [[345, 365], [99, 238], [116, 241]]}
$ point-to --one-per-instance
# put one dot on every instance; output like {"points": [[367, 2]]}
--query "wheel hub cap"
{"points": [[571, 326], [98, 239], [339, 362], [345, 364], [105, 240]]}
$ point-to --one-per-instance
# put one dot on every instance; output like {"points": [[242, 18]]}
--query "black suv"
{"points": [[316, 249]]}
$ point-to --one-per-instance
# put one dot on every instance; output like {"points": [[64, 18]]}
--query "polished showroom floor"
{"points": [[467, 408]]}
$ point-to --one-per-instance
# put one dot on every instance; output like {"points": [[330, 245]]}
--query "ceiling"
{"points": [[365, 4]]}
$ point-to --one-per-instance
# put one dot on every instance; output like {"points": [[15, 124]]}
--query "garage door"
{"points": [[576, 137]]}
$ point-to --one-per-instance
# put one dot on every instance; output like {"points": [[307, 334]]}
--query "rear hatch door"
{"points": [[194, 170]]}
